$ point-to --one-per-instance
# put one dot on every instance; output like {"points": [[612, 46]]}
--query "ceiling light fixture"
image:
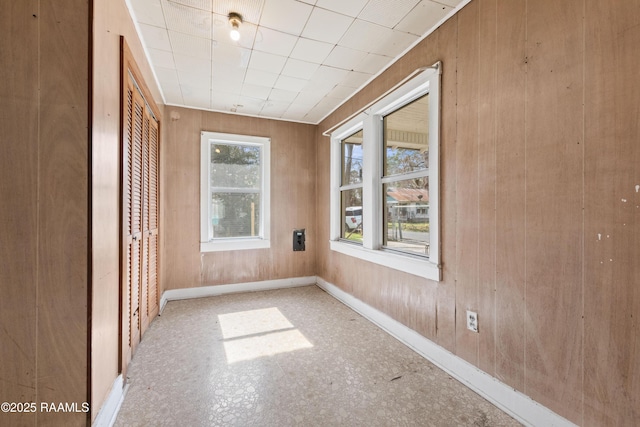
{"points": [[235, 19]]}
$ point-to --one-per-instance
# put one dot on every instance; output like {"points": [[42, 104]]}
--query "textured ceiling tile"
{"points": [[224, 101], [272, 41], [326, 26], [311, 50], [161, 58], [351, 7], [423, 18], [273, 108], [308, 99], [372, 63], [299, 69], [387, 12], [172, 93], [195, 65], [255, 91], [155, 37], [328, 77], [394, 43], [290, 83], [364, 36], [313, 53], [345, 58], [355, 79], [282, 95], [190, 45], [149, 12], [231, 55], [197, 4], [188, 20], [267, 62], [167, 75], [261, 78], [340, 92], [452, 3], [196, 77], [288, 16], [248, 105]]}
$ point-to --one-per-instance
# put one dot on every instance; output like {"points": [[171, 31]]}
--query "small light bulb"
{"points": [[234, 34]]}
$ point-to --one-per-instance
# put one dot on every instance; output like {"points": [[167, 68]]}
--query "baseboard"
{"points": [[518, 405], [107, 415], [210, 291]]}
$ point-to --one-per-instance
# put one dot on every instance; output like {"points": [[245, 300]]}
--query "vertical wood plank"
{"points": [[467, 214], [612, 215], [447, 40], [180, 202], [18, 210], [63, 187], [510, 192], [487, 85], [554, 148]]}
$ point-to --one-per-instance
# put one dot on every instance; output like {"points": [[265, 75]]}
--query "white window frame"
{"points": [[370, 120], [235, 243]]}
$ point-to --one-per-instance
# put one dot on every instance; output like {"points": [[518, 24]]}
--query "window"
{"points": [[351, 187], [234, 191], [385, 180]]}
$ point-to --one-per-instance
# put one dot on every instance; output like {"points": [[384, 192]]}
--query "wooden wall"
{"points": [[44, 209], [292, 202], [540, 202], [111, 20]]}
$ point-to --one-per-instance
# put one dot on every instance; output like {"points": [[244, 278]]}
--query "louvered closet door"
{"points": [[140, 194], [149, 277], [134, 205]]}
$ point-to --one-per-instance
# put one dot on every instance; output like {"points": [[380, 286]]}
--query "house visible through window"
{"points": [[385, 180], [405, 178], [234, 192]]}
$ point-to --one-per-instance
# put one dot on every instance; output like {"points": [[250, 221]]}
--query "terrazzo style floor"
{"points": [[290, 357]]}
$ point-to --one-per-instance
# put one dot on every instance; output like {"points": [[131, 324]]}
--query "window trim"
{"points": [[370, 120], [236, 243]]}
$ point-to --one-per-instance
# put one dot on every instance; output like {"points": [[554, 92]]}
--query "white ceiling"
{"points": [[296, 60]]}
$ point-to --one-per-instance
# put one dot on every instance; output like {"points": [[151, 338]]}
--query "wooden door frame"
{"points": [[128, 66]]}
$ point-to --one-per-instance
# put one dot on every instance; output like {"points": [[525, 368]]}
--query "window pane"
{"points": [[406, 138], [406, 210], [235, 215], [351, 203], [235, 166], [352, 159]]}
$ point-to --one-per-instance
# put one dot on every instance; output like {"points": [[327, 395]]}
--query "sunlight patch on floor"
{"points": [[252, 334]]}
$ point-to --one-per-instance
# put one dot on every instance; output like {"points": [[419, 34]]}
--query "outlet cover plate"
{"points": [[472, 321]]}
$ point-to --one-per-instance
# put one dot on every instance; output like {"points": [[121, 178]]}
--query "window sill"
{"points": [[407, 264], [234, 245]]}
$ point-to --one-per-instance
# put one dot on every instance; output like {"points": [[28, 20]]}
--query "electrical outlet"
{"points": [[472, 321]]}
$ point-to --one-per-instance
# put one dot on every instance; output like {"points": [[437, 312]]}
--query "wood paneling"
{"points": [[466, 181], [487, 85], [447, 41], [292, 202], [511, 63], [45, 209], [111, 19], [612, 215], [180, 201], [540, 226], [554, 148], [18, 210], [63, 222]]}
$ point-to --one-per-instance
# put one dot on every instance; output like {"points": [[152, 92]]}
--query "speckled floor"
{"points": [[290, 357]]}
